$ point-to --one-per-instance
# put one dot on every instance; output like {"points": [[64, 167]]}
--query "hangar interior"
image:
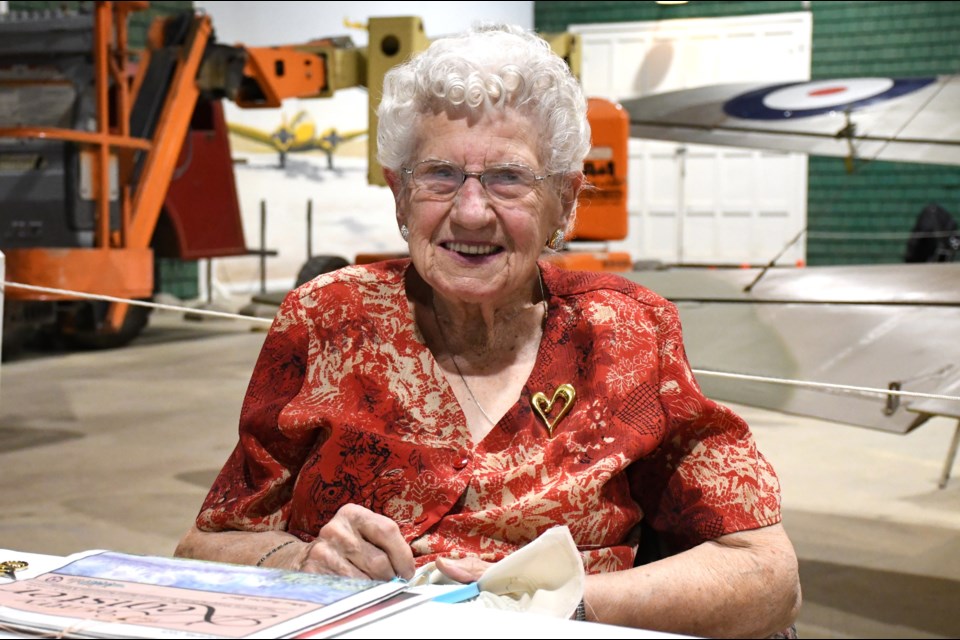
{"points": [[115, 447]]}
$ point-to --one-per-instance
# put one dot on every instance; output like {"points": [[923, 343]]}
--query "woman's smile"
{"points": [[472, 250]]}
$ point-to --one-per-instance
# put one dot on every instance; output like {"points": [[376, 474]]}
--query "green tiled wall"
{"points": [[865, 216], [884, 39], [177, 277], [557, 16]]}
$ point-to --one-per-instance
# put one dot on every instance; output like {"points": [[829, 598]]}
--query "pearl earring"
{"points": [[404, 232]]}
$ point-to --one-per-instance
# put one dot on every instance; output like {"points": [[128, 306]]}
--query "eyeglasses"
{"points": [[503, 181]]}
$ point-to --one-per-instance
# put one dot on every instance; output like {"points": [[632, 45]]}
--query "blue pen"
{"points": [[464, 593]]}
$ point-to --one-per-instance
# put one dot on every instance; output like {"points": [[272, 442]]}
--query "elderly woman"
{"points": [[456, 405]]}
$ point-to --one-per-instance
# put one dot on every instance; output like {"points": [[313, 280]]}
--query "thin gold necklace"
{"points": [[453, 358]]}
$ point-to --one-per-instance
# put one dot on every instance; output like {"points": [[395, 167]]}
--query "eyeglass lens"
{"points": [[503, 181]]}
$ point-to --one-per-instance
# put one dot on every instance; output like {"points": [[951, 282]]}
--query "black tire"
{"points": [[23, 324], [13, 343], [89, 334], [318, 265]]}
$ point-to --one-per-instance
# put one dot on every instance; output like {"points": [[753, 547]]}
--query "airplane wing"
{"points": [[887, 327], [330, 139], [350, 135], [252, 133], [907, 119]]}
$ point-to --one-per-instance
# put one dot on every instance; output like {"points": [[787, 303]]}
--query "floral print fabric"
{"points": [[346, 404]]}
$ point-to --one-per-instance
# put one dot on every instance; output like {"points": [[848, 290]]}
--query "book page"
{"points": [[115, 594]]}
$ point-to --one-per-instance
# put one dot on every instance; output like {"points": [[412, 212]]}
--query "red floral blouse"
{"points": [[347, 405]]}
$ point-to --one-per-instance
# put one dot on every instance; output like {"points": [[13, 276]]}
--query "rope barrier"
{"points": [[826, 385], [706, 372], [138, 303]]}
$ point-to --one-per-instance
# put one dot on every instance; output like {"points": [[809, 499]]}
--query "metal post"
{"points": [[3, 278], [951, 455], [210, 281], [309, 229], [681, 155], [263, 246]]}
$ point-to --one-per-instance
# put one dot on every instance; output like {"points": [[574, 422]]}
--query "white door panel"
{"points": [[659, 239], [697, 203]]}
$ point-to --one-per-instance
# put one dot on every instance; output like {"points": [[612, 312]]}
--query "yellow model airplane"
{"points": [[297, 135]]}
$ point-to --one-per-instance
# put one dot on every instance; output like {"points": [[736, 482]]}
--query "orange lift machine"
{"points": [[111, 158]]}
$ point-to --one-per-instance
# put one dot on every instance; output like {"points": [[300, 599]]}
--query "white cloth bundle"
{"points": [[545, 577]]}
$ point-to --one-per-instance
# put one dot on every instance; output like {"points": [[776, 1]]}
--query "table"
{"points": [[427, 620]]}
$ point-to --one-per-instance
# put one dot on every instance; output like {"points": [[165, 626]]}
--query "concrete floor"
{"points": [[115, 449]]}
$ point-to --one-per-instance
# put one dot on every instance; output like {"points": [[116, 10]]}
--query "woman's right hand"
{"points": [[359, 543]]}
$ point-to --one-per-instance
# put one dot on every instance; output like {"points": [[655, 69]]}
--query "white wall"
{"points": [[349, 216], [270, 23]]}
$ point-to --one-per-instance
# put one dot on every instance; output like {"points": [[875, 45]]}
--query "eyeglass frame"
{"points": [[479, 176]]}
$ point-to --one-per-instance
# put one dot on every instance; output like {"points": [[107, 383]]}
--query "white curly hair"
{"points": [[493, 66]]}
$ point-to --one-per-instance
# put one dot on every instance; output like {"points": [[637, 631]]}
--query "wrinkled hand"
{"points": [[463, 570], [359, 543]]}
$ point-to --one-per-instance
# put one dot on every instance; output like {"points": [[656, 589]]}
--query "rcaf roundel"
{"points": [[805, 99]]}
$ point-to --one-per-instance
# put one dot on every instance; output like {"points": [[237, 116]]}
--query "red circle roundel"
{"points": [[805, 99]]}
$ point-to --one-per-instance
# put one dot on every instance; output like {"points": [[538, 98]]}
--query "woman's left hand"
{"points": [[463, 570]]}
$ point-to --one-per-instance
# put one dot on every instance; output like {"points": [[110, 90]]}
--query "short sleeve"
{"points": [[254, 488], [707, 477]]}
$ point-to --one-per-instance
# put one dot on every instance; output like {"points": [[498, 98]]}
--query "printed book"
{"points": [[105, 594]]}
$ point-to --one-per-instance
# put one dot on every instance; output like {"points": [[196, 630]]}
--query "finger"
{"points": [[373, 562], [462, 569], [330, 552], [361, 561], [324, 558], [384, 534], [369, 541]]}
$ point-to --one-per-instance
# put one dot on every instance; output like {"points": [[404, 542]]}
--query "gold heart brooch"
{"points": [[543, 406]]}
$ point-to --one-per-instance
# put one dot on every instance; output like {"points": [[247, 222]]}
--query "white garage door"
{"points": [[699, 204]]}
